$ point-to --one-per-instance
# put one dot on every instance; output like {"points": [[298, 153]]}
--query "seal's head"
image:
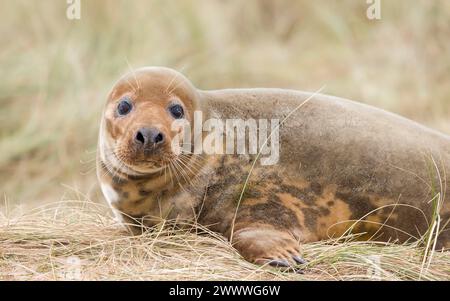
{"points": [[136, 131]]}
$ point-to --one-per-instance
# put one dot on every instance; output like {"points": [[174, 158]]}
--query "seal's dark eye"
{"points": [[177, 111], [124, 107]]}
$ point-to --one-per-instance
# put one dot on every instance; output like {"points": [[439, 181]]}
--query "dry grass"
{"points": [[79, 240], [56, 74]]}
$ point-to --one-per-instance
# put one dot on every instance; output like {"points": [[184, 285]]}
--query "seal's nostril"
{"points": [[148, 137], [140, 138], [158, 138]]}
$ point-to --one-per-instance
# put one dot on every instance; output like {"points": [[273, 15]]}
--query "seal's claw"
{"points": [[285, 265], [279, 263], [299, 260]]}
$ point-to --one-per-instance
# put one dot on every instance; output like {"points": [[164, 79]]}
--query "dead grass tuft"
{"points": [[79, 240]]}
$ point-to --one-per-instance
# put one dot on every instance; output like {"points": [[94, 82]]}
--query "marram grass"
{"points": [[78, 240]]}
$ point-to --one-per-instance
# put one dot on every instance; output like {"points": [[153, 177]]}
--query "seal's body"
{"points": [[343, 166]]}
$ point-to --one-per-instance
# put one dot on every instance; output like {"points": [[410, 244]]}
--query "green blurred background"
{"points": [[56, 73]]}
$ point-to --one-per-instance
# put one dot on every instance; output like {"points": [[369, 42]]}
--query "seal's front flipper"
{"points": [[261, 244]]}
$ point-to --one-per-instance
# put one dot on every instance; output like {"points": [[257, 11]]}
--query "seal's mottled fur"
{"points": [[340, 162]]}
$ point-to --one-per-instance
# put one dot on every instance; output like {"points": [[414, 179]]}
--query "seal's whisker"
{"points": [[191, 165], [174, 173], [114, 170], [177, 178], [189, 170], [171, 175], [193, 156], [193, 168], [134, 74], [132, 87], [88, 160], [196, 156], [182, 172], [179, 82], [170, 83], [176, 86], [173, 79]]}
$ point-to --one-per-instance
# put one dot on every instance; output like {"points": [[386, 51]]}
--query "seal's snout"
{"points": [[148, 138]]}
